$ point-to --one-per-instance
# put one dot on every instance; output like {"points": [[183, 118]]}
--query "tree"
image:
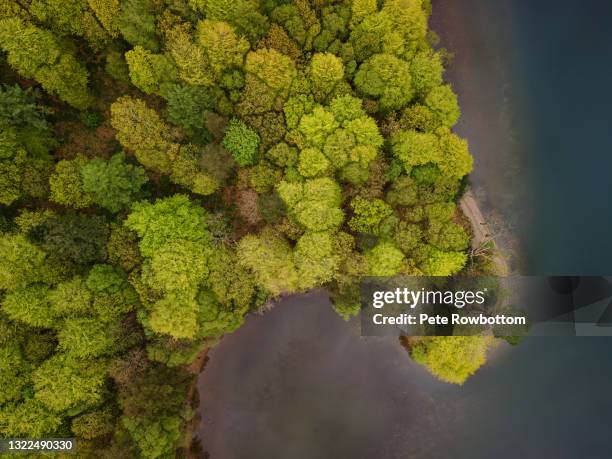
{"points": [[112, 184], [241, 142], [140, 129], [137, 23], [30, 305], [426, 70], [36, 53], [442, 101], [73, 237], [66, 184], [21, 263], [313, 163], [223, 48], [439, 263], [270, 258], [316, 259], [170, 219], [368, 215], [71, 298], [451, 358], [314, 204], [386, 78], [325, 71], [384, 260], [61, 383], [148, 71], [87, 337]]}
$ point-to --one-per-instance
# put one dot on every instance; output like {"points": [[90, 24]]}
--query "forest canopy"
{"points": [[167, 166]]}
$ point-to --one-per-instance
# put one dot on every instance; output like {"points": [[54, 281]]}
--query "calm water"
{"points": [[533, 79]]}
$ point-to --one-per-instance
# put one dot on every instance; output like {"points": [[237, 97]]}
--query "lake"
{"points": [[298, 382]]}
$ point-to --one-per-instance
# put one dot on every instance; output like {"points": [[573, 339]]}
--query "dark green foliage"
{"points": [[187, 106], [112, 184], [77, 238], [137, 23]]}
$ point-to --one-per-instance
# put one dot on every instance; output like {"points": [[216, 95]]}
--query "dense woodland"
{"points": [[167, 166]]}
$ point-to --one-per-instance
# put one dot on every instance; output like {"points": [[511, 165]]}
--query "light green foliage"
{"points": [[384, 260], [155, 438], [442, 101], [66, 184], [30, 305], [325, 71], [36, 53], [62, 383], [87, 337], [451, 358], [242, 142], [175, 315], [408, 237], [112, 184], [274, 69], [270, 258], [148, 71], [314, 204], [315, 259], [286, 115], [28, 419], [21, 262], [177, 265], [440, 263], [313, 163], [403, 192], [426, 70], [223, 48], [107, 12], [446, 150], [368, 215], [169, 219], [71, 297], [387, 79], [317, 126]]}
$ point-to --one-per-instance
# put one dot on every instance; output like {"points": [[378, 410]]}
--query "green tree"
{"points": [[170, 219], [37, 53], [136, 22], [241, 142], [61, 383], [368, 215], [325, 71], [387, 79], [112, 184], [384, 260], [442, 101], [66, 184], [148, 71], [270, 258], [451, 358], [140, 129]]}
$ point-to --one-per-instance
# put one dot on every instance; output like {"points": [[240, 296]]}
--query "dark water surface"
{"points": [[299, 383]]}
